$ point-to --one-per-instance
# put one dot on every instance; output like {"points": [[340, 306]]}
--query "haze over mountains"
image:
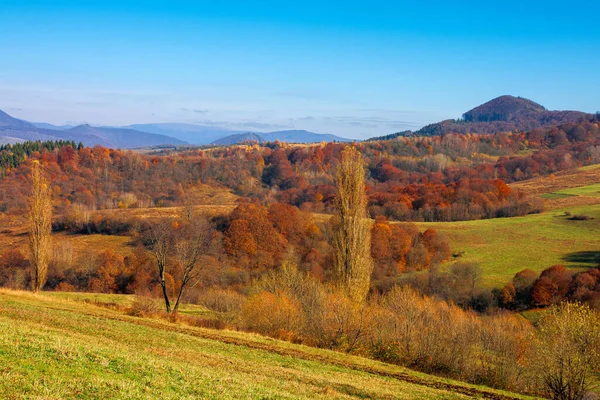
{"points": [[502, 114], [294, 136], [13, 130], [239, 138], [205, 134]]}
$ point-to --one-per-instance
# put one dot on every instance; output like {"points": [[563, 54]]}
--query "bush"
{"points": [[344, 323], [144, 306], [567, 351], [271, 314], [14, 270], [225, 301]]}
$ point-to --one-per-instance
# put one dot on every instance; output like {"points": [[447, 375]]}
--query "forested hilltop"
{"points": [[502, 114]]}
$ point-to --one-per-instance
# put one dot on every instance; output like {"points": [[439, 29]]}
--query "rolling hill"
{"points": [[58, 347], [502, 114], [239, 138]]}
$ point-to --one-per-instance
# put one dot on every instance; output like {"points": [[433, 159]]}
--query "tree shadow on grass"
{"points": [[585, 258]]}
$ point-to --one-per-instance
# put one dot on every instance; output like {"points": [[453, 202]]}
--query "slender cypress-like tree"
{"points": [[40, 225], [352, 228]]}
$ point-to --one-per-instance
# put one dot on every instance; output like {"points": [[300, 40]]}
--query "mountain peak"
{"points": [[81, 127], [7, 121], [503, 108], [502, 114], [239, 138]]}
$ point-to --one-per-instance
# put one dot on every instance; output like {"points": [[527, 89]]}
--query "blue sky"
{"points": [[355, 69]]}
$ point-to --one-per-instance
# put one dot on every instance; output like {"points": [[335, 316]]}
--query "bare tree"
{"points": [[182, 246], [352, 229], [191, 243], [40, 226], [158, 239]]}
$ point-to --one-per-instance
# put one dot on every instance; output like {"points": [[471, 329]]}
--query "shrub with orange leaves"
{"points": [[274, 314]]}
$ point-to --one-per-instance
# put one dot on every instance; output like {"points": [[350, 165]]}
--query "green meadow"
{"points": [[589, 191], [505, 246]]}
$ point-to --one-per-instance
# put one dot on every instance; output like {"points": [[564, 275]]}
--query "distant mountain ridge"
{"points": [[204, 134], [193, 134], [302, 136], [238, 138], [291, 136], [8, 122], [13, 130], [121, 137], [502, 114], [45, 125]]}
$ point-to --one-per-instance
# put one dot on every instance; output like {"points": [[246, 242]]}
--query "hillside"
{"points": [[503, 108], [544, 240], [502, 114], [132, 357], [239, 138]]}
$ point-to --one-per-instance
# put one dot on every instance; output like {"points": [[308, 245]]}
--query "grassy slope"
{"points": [[590, 191], [505, 246], [55, 348]]}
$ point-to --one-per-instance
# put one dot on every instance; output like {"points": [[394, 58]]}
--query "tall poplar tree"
{"points": [[352, 228], [40, 225]]}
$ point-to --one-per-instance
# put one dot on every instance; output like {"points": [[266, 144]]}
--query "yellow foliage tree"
{"points": [[351, 228], [568, 350], [40, 225]]}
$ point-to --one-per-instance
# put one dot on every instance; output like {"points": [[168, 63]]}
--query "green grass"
{"points": [[59, 348], [120, 299], [127, 300], [590, 191], [556, 195], [589, 167], [587, 191], [505, 246]]}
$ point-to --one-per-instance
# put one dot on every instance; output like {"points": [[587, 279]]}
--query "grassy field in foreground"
{"points": [[505, 246], [57, 348]]}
